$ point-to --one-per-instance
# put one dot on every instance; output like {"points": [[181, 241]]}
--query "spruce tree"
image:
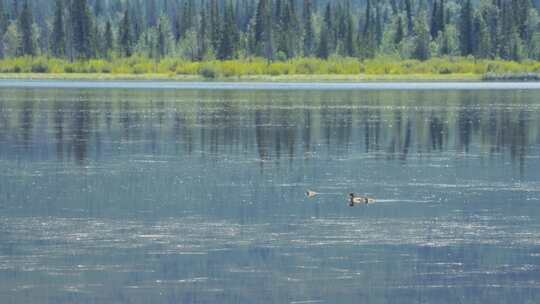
{"points": [[177, 26], [58, 38], [520, 10], [263, 30], [324, 51], [203, 34], [81, 29], [400, 34], [286, 32], [367, 42], [160, 40], [261, 20], [98, 7], [187, 17], [14, 9], [408, 11], [466, 29], [108, 39], [437, 18], [215, 25], [4, 18], [434, 29], [227, 44], [422, 38], [482, 36], [124, 35], [328, 26], [309, 35], [25, 24], [151, 13], [349, 43]]}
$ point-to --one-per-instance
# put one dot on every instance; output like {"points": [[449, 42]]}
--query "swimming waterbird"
{"points": [[311, 194], [356, 200]]}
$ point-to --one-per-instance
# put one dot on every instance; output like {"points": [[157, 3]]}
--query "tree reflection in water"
{"points": [[274, 125]]}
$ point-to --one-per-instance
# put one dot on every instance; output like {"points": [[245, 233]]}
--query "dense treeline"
{"points": [[272, 29]]}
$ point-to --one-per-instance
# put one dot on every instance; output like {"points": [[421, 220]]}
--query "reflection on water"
{"points": [[275, 124], [133, 196]]}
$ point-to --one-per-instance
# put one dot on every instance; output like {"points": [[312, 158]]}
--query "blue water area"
{"points": [[195, 193]]}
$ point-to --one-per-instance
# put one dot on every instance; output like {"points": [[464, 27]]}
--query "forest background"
{"points": [[447, 39]]}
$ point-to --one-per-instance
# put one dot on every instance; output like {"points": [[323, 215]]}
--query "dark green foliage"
{"points": [[437, 18], [263, 30], [203, 35], [108, 39], [14, 9], [229, 35], [81, 27], [187, 17], [58, 38], [124, 36], [161, 40], [466, 29], [400, 34], [368, 40], [25, 23], [324, 50], [4, 18], [328, 29], [273, 29], [421, 47], [408, 10], [215, 24], [309, 34]]}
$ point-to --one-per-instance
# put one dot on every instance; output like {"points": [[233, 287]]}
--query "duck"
{"points": [[311, 194], [356, 200]]}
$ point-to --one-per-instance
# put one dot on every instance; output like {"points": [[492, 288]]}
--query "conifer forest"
{"points": [[269, 30]]}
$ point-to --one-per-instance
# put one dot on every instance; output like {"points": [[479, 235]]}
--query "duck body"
{"points": [[359, 200]]}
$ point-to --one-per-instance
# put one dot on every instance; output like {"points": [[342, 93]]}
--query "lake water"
{"points": [[197, 194]]}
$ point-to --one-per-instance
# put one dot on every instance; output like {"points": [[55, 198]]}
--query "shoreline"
{"points": [[361, 78], [254, 86]]}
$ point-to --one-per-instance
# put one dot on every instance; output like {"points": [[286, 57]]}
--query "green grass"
{"points": [[302, 69]]}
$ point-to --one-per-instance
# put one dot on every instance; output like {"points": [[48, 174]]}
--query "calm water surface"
{"points": [[197, 196]]}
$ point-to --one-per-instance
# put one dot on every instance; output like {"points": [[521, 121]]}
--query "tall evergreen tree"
{"points": [[108, 39], [437, 18], [125, 41], [520, 10], [161, 40], [287, 30], [203, 35], [422, 38], [58, 38], [98, 7], [25, 25], [368, 40], [324, 50], [328, 26], [14, 9], [151, 13], [187, 16], [466, 28], [348, 39], [215, 24], [409, 12], [481, 33], [81, 29], [4, 18], [263, 30], [309, 35], [229, 36], [400, 33]]}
